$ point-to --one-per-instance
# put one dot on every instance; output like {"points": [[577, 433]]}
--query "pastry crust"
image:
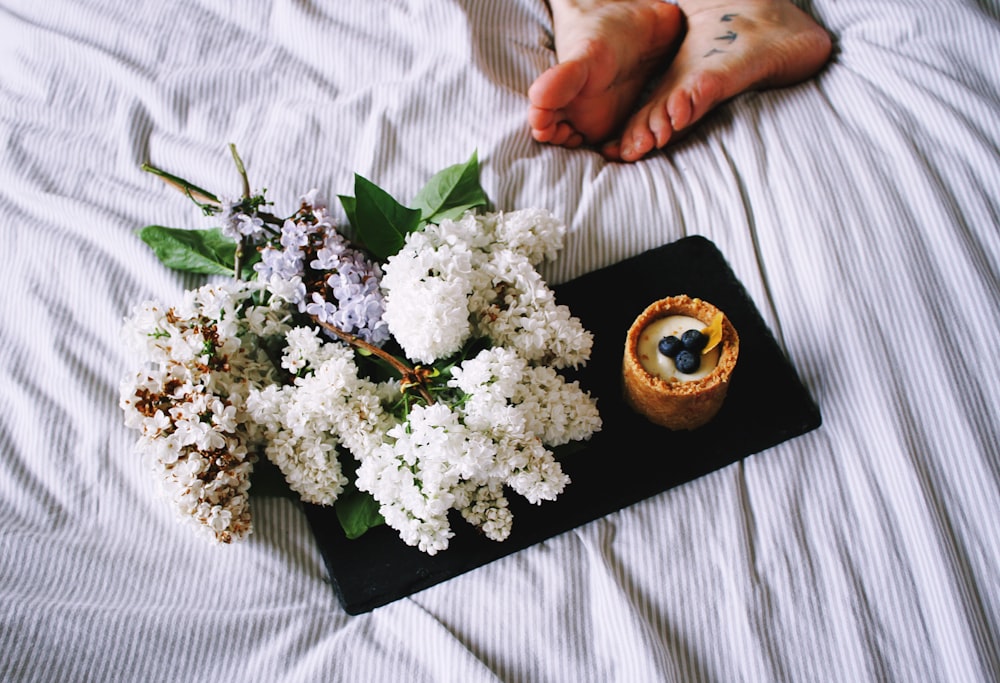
{"points": [[675, 404]]}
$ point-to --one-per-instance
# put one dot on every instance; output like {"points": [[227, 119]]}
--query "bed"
{"points": [[860, 210]]}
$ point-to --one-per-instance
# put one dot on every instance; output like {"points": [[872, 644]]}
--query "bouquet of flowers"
{"points": [[397, 366]]}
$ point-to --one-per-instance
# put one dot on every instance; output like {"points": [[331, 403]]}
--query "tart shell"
{"points": [[678, 404]]}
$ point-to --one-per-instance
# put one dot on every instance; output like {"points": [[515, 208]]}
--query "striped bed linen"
{"points": [[861, 210]]}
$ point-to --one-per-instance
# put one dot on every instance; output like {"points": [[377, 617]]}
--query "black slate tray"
{"points": [[766, 405]]}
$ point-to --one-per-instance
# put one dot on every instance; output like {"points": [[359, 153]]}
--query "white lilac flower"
{"points": [[143, 330], [462, 456], [471, 231], [291, 289], [559, 411], [413, 474], [524, 408], [538, 476], [487, 508], [479, 272], [270, 319], [524, 315], [301, 347], [306, 423], [496, 370], [203, 466], [428, 285], [187, 403], [534, 233], [429, 318], [548, 407], [429, 535]]}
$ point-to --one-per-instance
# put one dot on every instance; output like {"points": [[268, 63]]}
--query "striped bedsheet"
{"points": [[861, 210]]}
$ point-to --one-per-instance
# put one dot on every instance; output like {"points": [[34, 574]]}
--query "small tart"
{"points": [[678, 404]]}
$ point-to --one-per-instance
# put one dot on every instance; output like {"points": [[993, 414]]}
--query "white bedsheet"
{"points": [[861, 210]]}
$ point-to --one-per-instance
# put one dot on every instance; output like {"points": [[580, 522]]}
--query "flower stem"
{"points": [[196, 194], [241, 169], [241, 244], [411, 376]]}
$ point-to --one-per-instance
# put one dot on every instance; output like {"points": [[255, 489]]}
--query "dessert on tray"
{"points": [[679, 356]]}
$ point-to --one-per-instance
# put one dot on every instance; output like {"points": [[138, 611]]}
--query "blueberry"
{"points": [[694, 340], [687, 362], [669, 346]]}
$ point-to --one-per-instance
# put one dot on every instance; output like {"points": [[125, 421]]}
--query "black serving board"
{"points": [[630, 459]]}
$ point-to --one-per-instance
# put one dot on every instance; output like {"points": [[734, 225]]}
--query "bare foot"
{"points": [[607, 49], [730, 47]]}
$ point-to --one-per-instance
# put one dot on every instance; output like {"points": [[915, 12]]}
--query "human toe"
{"points": [[612, 150], [541, 119], [637, 136], [636, 144], [559, 85], [660, 125], [543, 134], [564, 135]]}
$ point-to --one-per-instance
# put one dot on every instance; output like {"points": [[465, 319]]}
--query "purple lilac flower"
{"points": [[355, 285], [320, 308], [285, 263], [350, 297], [295, 235], [360, 307], [230, 214], [251, 226], [237, 223], [329, 256]]}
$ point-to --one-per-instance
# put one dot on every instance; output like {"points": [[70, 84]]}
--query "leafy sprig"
{"points": [[379, 220]]}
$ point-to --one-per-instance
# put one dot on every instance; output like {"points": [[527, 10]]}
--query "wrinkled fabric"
{"points": [[860, 209]]}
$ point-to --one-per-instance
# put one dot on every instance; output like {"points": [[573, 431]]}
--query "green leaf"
{"points": [[207, 252], [382, 223], [350, 205], [357, 512], [451, 192]]}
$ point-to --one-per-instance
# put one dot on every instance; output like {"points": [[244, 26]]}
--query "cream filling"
{"points": [[657, 364]]}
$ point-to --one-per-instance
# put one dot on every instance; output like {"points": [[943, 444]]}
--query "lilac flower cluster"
{"points": [[314, 267], [199, 360], [444, 433]]}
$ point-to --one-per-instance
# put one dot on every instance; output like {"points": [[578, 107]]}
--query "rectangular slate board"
{"points": [[766, 405]]}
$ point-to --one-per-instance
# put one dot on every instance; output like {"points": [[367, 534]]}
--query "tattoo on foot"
{"points": [[729, 36]]}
